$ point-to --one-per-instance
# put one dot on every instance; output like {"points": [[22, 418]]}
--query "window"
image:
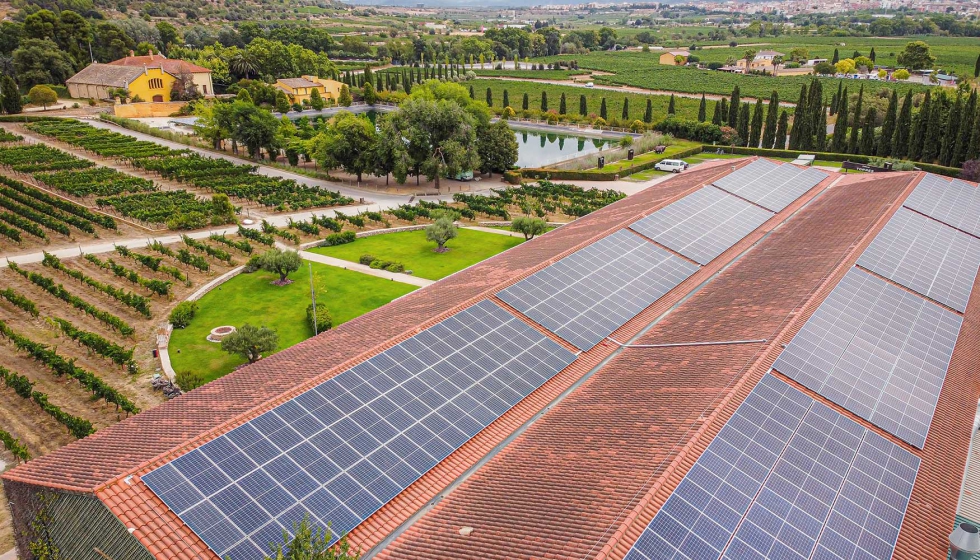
{"points": [[156, 83]]}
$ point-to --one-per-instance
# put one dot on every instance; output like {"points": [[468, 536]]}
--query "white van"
{"points": [[672, 165]]}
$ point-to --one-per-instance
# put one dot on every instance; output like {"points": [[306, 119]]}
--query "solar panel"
{"points": [[956, 203], [703, 224], [878, 351], [587, 295], [770, 185], [926, 256], [341, 450], [786, 477]]}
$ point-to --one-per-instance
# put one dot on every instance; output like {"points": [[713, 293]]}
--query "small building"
{"points": [[815, 61], [300, 89], [147, 78], [670, 58], [763, 61]]}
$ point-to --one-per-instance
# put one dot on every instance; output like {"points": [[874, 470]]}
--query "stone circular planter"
{"points": [[218, 333]]}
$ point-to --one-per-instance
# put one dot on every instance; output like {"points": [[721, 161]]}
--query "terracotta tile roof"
{"points": [[589, 475], [106, 75], [585, 478], [298, 83], [170, 65]]}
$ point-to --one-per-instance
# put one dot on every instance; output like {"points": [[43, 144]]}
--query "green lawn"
{"points": [[418, 255], [677, 147], [250, 298]]}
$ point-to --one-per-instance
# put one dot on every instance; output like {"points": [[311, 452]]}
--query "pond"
{"points": [[537, 149]]}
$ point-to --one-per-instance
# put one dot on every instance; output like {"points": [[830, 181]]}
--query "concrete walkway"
{"points": [[358, 267]]}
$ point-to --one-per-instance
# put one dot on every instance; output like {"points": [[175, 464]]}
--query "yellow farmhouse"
{"points": [[670, 57], [150, 77], [300, 89]]}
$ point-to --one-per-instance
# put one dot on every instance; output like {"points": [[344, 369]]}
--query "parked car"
{"points": [[672, 165], [590, 84]]}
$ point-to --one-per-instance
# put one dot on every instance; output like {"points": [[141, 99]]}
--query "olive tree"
{"points": [[250, 342], [280, 262], [441, 231], [529, 226]]}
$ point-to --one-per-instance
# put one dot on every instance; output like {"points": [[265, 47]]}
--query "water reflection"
{"points": [[537, 149]]}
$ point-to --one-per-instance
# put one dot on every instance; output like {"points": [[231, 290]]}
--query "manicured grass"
{"points": [[675, 148], [418, 255], [250, 298]]}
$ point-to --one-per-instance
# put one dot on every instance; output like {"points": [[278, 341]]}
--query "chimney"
{"points": [[131, 53], [151, 53], [964, 542]]}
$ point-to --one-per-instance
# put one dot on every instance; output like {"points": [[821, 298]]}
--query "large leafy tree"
{"points": [[350, 143], [254, 127], [916, 56], [497, 148], [439, 137], [280, 262], [41, 61], [110, 42]]}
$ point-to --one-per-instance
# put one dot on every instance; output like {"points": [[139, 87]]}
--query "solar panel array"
{"points": [[924, 255], [956, 202], [587, 295], [341, 450], [878, 351], [786, 477], [770, 185], [702, 225]]}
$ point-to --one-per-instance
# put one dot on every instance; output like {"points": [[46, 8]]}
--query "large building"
{"points": [[299, 90], [749, 360], [150, 77]]}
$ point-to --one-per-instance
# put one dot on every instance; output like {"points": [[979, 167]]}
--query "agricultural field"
{"points": [[685, 107], [640, 69], [206, 175], [76, 336]]}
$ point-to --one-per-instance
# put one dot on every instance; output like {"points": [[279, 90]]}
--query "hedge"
{"points": [[565, 175], [828, 156]]}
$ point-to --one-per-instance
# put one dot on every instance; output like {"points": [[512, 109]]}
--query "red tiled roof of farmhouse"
{"points": [[173, 66], [620, 427]]}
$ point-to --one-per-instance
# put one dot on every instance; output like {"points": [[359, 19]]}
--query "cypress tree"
{"points": [[562, 108], [524, 103], [743, 124], [835, 103], [11, 100], [472, 95], [973, 151], [976, 68], [626, 108], [868, 133], [952, 132], [820, 139], [903, 128], [723, 118], [839, 142], [733, 108], [814, 106], [772, 115], [800, 115], [544, 101], [716, 115], [921, 125], [888, 127], [872, 55], [671, 107], [933, 140], [648, 114], [969, 116], [852, 144], [781, 131], [583, 107], [755, 129], [506, 99], [602, 111], [703, 109], [836, 58]]}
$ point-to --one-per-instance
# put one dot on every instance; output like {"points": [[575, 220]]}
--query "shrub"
{"points": [[689, 129], [377, 264], [253, 264], [323, 321], [971, 170], [339, 239], [395, 267], [181, 315], [366, 259], [189, 380], [512, 177]]}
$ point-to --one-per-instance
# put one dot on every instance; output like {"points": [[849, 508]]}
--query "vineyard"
{"points": [[212, 175], [76, 337], [644, 70]]}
